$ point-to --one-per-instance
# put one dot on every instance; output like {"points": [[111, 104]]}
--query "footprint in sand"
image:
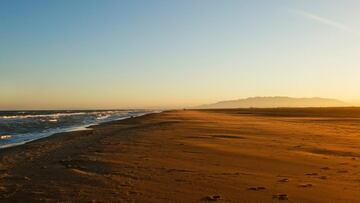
{"points": [[281, 197], [284, 180], [305, 185], [323, 177], [212, 198], [2, 189], [256, 188]]}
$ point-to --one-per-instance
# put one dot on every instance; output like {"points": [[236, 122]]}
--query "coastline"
{"points": [[71, 129], [191, 156]]}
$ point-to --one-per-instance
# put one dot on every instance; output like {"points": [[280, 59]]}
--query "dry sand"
{"points": [[267, 155]]}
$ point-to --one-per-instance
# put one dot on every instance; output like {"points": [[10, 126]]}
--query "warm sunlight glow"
{"points": [[126, 54]]}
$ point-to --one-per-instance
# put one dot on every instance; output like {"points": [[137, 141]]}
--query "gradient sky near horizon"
{"points": [[129, 54]]}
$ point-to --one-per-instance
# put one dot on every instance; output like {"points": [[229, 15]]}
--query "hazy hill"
{"points": [[271, 102]]}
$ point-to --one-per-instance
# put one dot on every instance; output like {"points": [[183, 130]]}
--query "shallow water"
{"points": [[18, 127]]}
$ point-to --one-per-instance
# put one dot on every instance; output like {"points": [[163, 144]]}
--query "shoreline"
{"points": [[70, 129], [192, 156]]}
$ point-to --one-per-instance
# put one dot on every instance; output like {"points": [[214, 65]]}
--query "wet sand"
{"points": [[246, 155]]}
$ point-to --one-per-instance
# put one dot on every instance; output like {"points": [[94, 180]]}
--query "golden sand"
{"points": [[295, 155]]}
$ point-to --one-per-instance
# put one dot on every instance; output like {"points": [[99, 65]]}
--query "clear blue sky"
{"points": [[117, 53]]}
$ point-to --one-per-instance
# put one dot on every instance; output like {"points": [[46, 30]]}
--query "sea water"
{"points": [[19, 127]]}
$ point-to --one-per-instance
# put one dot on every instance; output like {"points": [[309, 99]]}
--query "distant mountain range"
{"points": [[273, 102]]}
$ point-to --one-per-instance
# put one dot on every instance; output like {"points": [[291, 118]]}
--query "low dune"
{"points": [[238, 155]]}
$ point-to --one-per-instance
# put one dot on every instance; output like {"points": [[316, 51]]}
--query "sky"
{"points": [[88, 54]]}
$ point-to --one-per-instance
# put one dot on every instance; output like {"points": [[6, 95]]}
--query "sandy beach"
{"points": [[244, 155]]}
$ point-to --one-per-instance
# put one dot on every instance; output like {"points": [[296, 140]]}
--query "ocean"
{"points": [[19, 127]]}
